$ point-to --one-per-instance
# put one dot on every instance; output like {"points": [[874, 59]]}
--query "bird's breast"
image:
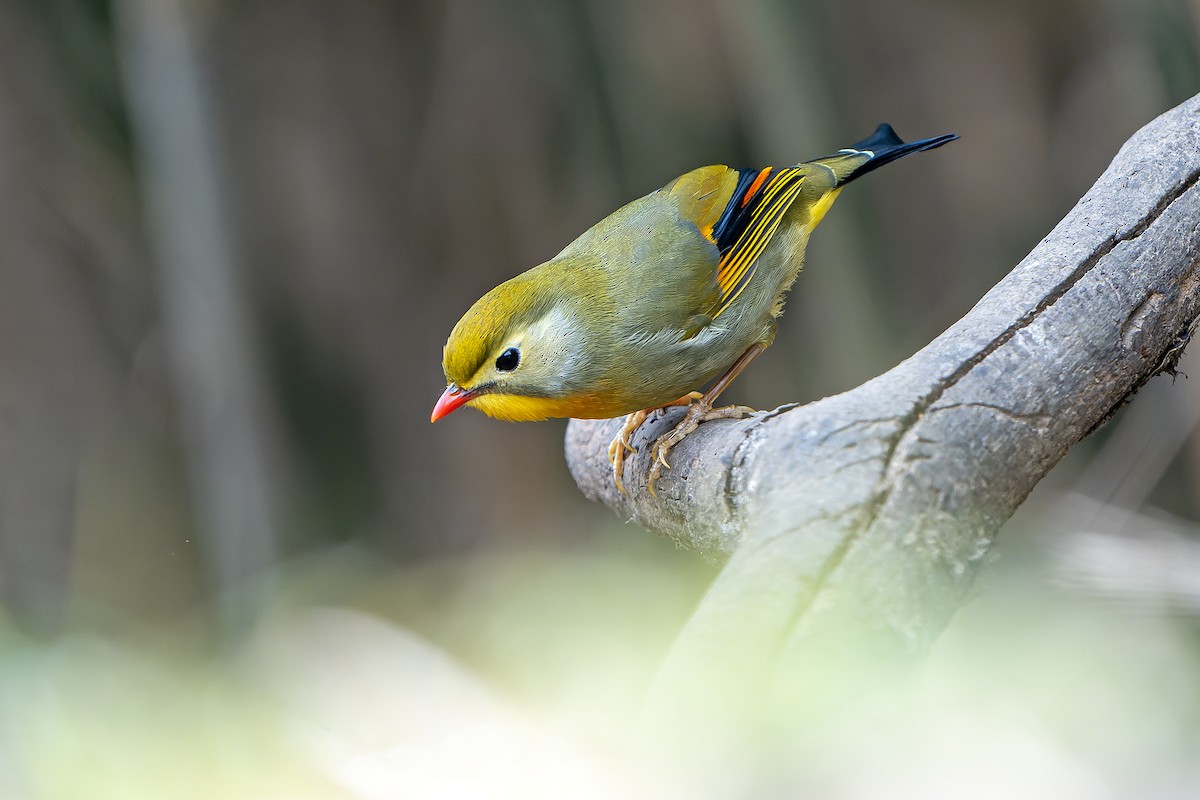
{"points": [[519, 408]]}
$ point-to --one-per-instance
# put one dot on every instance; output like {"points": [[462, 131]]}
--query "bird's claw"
{"points": [[620, 444], [657, 466], [698, 411], [618, 447]]}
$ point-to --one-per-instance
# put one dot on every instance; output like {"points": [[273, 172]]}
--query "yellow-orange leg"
{"points": [[621, 444], [701, 411]]}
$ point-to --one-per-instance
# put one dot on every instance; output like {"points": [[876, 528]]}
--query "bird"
{"points": [[674, 290]]}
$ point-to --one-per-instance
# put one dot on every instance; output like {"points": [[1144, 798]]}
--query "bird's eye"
{"points": [[508, 360]]}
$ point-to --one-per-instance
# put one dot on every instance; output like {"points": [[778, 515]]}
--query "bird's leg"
{"points": [[702, 411], [620, 443]]}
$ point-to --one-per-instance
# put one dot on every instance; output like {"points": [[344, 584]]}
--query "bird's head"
{"points": [[518, 354]]}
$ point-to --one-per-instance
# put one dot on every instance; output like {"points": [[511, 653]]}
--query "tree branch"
{"points": [[875, 507]]}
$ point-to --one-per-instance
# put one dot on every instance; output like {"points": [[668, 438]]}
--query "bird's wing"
{"points": [[686, 251], [747, 223]]}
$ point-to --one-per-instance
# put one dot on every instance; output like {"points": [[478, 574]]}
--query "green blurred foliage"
{"points": [[522, 674]]}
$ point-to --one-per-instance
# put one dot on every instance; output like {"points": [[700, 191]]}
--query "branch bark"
{"points": [[872, 510]]}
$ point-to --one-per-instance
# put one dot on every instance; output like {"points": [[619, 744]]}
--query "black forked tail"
{"points": [[881, 147]]}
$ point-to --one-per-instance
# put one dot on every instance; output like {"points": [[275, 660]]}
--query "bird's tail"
{"points": [[881, 147]]}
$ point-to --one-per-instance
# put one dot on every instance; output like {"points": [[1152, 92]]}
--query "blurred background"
{"points": [[233, 239]]}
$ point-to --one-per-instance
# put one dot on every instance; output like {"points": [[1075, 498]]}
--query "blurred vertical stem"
{"points": [[781, 66], [222, 402]]}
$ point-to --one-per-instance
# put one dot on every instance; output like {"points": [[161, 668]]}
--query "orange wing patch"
{"points": [[754, 187]]}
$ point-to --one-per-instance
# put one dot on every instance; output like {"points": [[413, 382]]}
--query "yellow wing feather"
{"points": [[738, 263]]}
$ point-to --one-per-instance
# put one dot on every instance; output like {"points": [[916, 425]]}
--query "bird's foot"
{"points": [[697, 412], [621, 442], [620, 445]]}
